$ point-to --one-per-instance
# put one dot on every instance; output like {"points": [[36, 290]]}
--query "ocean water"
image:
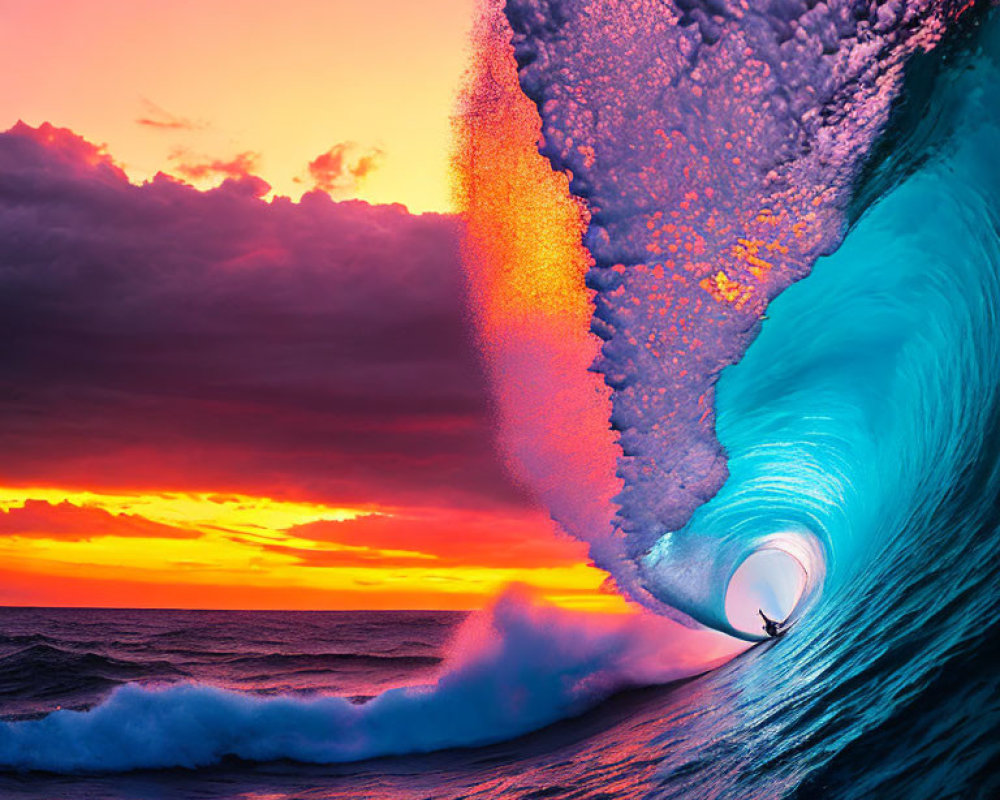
{"points": [[862, 444], [743, 730], [72, 658]]}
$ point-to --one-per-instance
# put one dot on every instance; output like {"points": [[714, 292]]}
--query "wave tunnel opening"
{"points": [[771, 581]]}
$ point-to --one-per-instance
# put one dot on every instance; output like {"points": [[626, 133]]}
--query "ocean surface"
{"points": [[862, 439], [760, 726]]}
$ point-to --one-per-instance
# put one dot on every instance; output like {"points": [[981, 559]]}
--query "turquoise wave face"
{"points": [[860, 426]]}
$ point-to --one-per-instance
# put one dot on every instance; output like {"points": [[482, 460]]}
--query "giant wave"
{"points": [[863, 454]]}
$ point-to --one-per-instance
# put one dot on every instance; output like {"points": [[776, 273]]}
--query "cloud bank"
{"points": [[159, 335]]}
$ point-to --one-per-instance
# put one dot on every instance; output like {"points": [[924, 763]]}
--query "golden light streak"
{"points": [[233, 550], [193, 510]]}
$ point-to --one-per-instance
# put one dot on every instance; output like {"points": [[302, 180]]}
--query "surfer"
{"points": [[771, 627]]}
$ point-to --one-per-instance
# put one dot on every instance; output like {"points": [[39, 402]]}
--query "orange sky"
{"points": [[183, 549], [196, 88]]}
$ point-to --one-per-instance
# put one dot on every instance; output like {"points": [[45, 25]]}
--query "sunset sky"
{"points": [[224, 382], [203, 90]]}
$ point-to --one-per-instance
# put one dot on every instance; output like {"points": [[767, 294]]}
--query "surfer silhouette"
{"points": [[771, 627]]}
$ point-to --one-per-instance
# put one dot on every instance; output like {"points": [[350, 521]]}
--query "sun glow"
{"points": [[203, 511], [233, 550]]}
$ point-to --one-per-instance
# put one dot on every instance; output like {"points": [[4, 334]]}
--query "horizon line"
{"points": [[4, 606]]}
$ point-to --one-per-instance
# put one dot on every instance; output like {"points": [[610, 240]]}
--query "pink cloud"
{"points": [[71, 523], [156, 117], [243, 165], [340, 168]]}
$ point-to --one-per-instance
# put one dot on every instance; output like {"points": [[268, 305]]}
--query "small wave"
{"points": [[46, 658], [43, 677]]}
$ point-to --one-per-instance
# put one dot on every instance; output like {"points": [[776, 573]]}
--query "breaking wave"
{"points": [[855, 468]]}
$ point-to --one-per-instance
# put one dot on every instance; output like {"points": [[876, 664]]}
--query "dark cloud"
{"points": [[157, 335], [71, 523]]}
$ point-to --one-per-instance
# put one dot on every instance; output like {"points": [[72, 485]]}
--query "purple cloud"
{"points": [[158, 335]]}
